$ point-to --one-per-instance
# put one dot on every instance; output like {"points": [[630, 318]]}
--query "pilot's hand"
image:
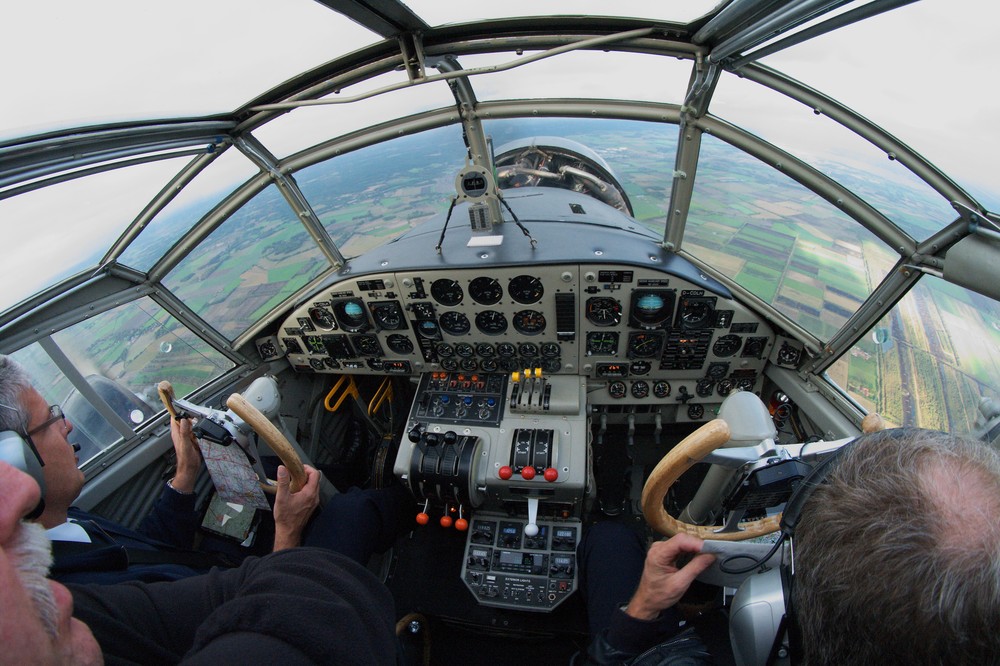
{"points": [[663, 582], [188, 455], [293, 510]]}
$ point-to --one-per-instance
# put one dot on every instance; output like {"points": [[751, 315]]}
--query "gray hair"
{"points": [[14, 381], [897, 556]]}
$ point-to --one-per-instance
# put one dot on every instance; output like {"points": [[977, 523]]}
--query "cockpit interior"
{"points": [[510, 261]]}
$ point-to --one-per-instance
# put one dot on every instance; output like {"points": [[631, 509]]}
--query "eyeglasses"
{"points": [[55, 414]]}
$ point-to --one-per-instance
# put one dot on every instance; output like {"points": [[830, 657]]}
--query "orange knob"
{"points": [[505, 472], [528, 473], [551, 474], [461, 524], [446, 521], [423, 518]]}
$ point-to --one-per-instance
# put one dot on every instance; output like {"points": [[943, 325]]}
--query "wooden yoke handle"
{"points": [[166, 391], [252, 416]]}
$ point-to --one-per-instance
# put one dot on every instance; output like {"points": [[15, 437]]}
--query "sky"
{"points": [[923, 72]]}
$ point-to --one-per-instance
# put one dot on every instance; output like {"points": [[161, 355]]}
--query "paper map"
{"points": [[234, 479]]}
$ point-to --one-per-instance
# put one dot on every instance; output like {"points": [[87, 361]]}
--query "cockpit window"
{"points": [[782, 242], [930, 361], [371, 196], [122, 354], [254, 261], [837, 152]]}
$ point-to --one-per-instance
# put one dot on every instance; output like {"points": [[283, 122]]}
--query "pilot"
{"points": [[897, 561], [296, 606], [90, 549]]}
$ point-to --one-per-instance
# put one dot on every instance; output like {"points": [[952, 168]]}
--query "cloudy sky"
{"points": [[924, 72]]}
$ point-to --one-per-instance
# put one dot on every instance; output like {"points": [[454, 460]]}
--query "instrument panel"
{"points": [[640, 336]]}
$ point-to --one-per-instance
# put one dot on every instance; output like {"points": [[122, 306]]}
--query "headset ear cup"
{"points": [[17, 452]]}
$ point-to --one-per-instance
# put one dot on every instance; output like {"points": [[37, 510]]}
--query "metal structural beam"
{"points": [[385, 17]]}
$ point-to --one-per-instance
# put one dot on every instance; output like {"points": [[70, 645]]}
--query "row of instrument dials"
{"points": [[523, 289], [493, 322]]}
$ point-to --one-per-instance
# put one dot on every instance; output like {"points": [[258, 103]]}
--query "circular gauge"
{"points": [[727, 345], [449, 364], [717, 370], [725, 387], [617, 390], [508, 364], [695, 412], [465, 350], [488, 365], [643, 345], [603, 311], [551, 365], [694, 312], [704, 387], [367, 345], [447, 292], [525, 289], [651, 308], [323, 318], [551, 350], [491, 322], [455, 323], [745, 384], [661, 389], [788, 355], [444, 350], [602, 343], [468, 364], [485, 350], [528, 349], [485, 291], [640, 367], [351, 315], [640, 389], [388, 316], [316, 363], [400, 344], [529, 322], [506, 350], [429, 329], [331, 363], [754, 347]]}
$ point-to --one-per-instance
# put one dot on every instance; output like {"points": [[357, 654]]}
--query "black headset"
{"points": [[19, 451]]}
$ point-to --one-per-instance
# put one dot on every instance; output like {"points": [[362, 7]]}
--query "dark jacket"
{"points": [[660, 642]]}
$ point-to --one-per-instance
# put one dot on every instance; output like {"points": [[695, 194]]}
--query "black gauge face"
{"points": [[788, 355], [745, 384], [468, 364], [527, 349], [727, 345], [640, 368], [529, 322], [551, 350], [267, 349], [367, 345], [506, 350], [351, 315], [316, 363], [644, 345], [640, 389], [603, 311], [485, 291], [551, 365], [447, 292], [449, 364], [323, 318], [725, 387], [602, 344], [695, 412], [400, 344], [465, 350], [661, 389], [525, 289], [491, 322], [717, 370], [704, 387], [754, 347], [617, 390], [388, 315], [488, 365], [486, 350], [455, 323], [428, 329], [695, 313], [292, 345], [651, 308], [315, 344], [444, 350]]}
